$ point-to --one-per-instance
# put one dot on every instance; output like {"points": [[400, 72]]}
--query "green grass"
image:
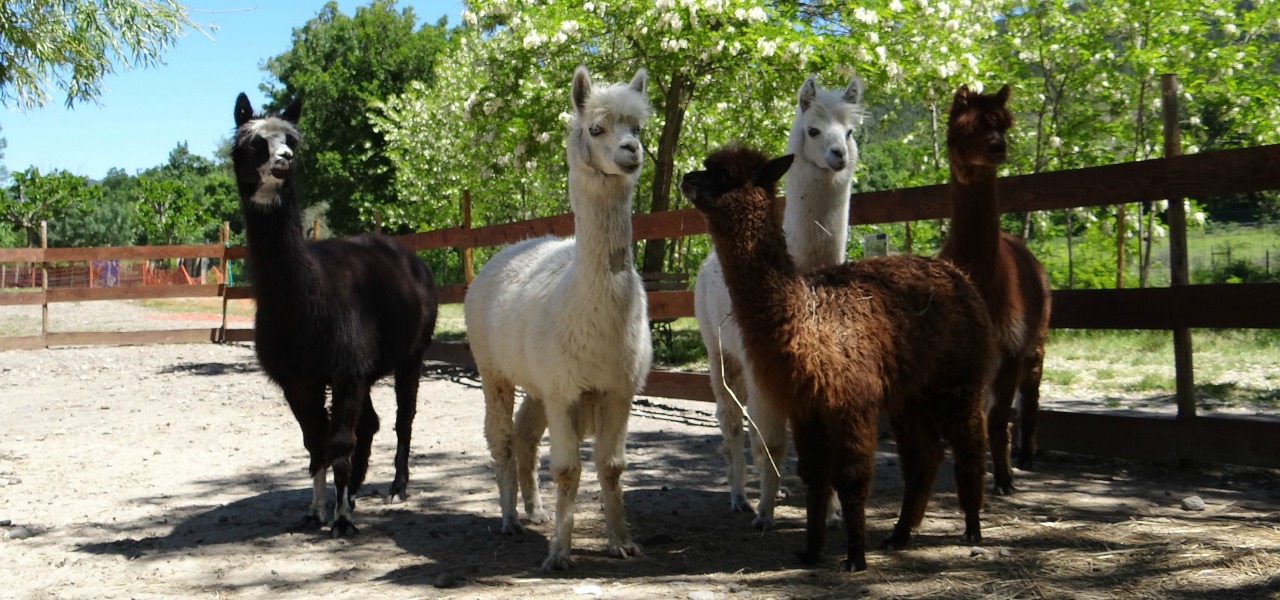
{"points": [[1232, 368]]}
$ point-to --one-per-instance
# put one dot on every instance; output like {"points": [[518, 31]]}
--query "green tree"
{"points": [[341, 66], [34, 197], [107, 222], [70, 45], [184, 200]]}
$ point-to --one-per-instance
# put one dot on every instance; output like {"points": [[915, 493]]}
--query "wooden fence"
{"points": [[1177, 308]]}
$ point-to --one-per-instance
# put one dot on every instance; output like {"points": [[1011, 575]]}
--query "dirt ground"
{"points": [[178, 471]]}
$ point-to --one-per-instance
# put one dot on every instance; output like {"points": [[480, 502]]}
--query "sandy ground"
{"points": [[177, 471]]}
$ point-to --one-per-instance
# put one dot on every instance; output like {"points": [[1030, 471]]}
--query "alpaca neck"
{"points": [[602, 224], [974, 239], [278, 253], [764, 284], [816, 219]]}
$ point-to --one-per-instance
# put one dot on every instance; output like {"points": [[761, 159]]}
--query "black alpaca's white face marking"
{"points": [[272, 144], [264, 150]]}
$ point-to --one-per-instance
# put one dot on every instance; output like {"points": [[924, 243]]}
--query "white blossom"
{"points": [[895, 6]]}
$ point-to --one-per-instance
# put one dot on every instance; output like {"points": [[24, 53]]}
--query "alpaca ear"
{"points": [[244, 110], [581, 88], [1002, 96], [638, 82], [769, 173], [293, 111], [961, 99], [853, 93], [808, 90]]}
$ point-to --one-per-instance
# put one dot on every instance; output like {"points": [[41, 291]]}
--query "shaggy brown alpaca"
{"points": [[1009, 278], [903, 334]]}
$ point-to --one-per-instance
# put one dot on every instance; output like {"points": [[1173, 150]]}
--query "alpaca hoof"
{"points": [[624, 550], [854, 564], [511, 527], [558, 560], [762, 523], [342, 527], [972, 537], [809, 558], [897, 541], [539, 516], [308, 523], [399, 490], [835, 522], [1004, 489], [738, 503]]}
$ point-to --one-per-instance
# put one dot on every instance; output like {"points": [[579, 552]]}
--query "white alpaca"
{"points": [[816, 221], [567, 321]]}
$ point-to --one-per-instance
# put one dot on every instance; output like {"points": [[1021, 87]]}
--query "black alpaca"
{"points": [[341, 313]]}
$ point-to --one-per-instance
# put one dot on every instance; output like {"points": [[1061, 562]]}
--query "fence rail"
{"points": [[1237, 441]]}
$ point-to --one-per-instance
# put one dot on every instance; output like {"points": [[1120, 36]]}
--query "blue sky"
{"points": [[144, 113]]}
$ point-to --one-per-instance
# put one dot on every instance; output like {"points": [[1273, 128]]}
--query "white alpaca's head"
{"points": [[264, 150], [604, 134], [825, 122]]}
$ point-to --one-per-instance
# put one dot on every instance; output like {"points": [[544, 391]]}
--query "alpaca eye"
{"points": [[595, 130], [635, 130], [848, 134], [813, 132]]}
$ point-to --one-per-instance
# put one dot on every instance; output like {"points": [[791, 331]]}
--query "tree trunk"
{"points": [[1120, 241], [674, 100]]}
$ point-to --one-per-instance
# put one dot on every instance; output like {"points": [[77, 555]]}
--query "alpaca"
{"points": [[1009, 278], [816, 222], [341, 313], [567, 321], [832, 347]]}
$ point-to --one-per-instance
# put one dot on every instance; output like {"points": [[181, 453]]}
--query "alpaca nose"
{"points": [[836, 159], [996, 148], [632, 146]]}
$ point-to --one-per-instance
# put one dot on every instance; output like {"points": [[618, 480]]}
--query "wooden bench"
{"points": [[664, 282]]}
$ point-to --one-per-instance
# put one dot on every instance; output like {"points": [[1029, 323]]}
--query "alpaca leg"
{"points": [[968, 441], [407, 376], [609, 452], [531, 423], [365, 430], [920, 453], [1003, 390], [815, 471], [349, 399], [729, 415], [499, 403], [1029, 391], [769, 448], [853, 487], [307, 404], [566, 471]]}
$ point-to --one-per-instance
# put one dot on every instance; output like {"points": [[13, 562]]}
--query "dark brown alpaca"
{"points": [[833, 347], [1009, 278]]}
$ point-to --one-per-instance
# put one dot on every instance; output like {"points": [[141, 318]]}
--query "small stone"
{"points": [[702, 595], [977, 551], [589, 590], [736, 587], [5, 522], [1193, 503], [18, 533], [1004, 552], [445, 579]]}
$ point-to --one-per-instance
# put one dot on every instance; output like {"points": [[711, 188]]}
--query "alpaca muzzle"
{"points": [[281, 169]]}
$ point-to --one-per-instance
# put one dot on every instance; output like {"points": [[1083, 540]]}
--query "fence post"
{"points": [[1183, 374], [468, 269], [44, 283], [315, 230]]}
